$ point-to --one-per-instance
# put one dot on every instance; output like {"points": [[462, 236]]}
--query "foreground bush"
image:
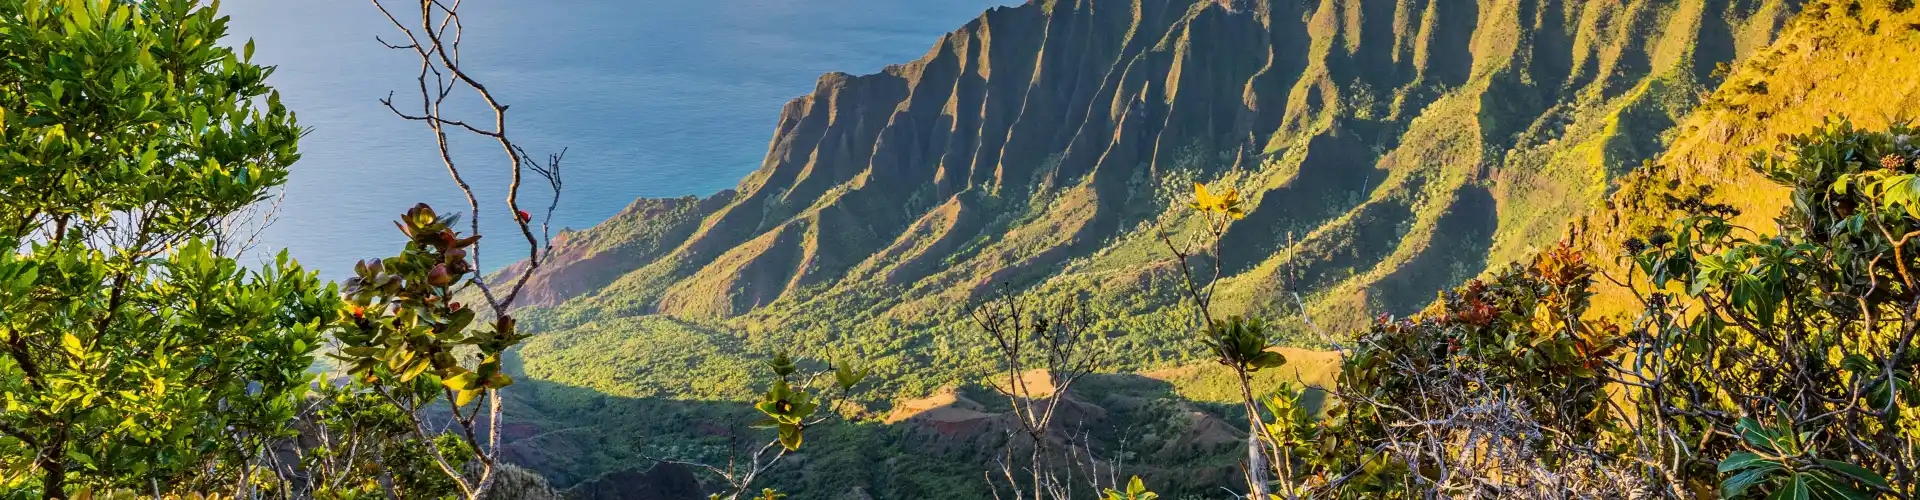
{"points": [[1775, 365], [134, 351]]}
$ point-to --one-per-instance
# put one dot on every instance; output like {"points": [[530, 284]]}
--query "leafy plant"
{"points": [[402, 315], [1043, 350], [363, 447], [787, 410], [1136, 490], [1242, 343], [790, 408], [1225, 204], [1779, 458], [135, 351], [418, 328], [1814, 326], [402, 323]]}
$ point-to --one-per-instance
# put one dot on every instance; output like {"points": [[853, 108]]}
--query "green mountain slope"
{"points": [[1389, 149], [1849, 60]]}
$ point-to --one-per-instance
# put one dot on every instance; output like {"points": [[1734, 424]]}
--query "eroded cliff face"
{"points": [[1389, 148]]}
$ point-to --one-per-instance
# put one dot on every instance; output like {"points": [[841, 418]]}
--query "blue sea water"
{"points": [[650, 98]]}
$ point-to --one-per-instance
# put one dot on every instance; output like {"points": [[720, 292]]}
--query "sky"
{"points": [[648, 99]]}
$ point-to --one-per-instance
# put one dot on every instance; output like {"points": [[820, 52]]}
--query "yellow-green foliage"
{"points": [[1399, 149], [1841, 58], [137, 350], [1393, 148], [645, 357]]}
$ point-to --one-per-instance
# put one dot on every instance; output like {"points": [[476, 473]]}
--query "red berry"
{"points": [[524, 216]]}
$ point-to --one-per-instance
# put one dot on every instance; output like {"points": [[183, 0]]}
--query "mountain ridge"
{"points": [[1037, 137], [1384, 198]]}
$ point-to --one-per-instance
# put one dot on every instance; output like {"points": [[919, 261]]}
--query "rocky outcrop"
{"points": [[514, 483]]}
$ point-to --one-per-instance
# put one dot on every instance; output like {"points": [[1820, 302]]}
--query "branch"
{"points": [[18, 434]]}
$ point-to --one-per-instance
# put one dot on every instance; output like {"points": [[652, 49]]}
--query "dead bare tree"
{"points": [[432, 32], [1055, 342], [1476, 439], [238, 233]]}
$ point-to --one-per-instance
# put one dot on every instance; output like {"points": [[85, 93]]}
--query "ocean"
{"points": [[648, 98]]}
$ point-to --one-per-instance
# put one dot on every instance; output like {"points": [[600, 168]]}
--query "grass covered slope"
{"points": [[1389, 149], [1845, 59]]}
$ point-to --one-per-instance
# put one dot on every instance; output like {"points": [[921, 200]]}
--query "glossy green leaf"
{"points": [[1739, 483], [1857, 473], [1739, 460]]}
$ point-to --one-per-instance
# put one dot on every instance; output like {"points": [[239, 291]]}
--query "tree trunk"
{"points": [[53, 486], [1256, 463], [1256, 456], [491, 453], [1036, 471]]}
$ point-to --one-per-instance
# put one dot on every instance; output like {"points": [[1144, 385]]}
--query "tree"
{"points": [[1054, 342], [1772, 364], [1498, 390], [132, 355], [357, 445], [1787, 360], [405, 330], [1776, 364], [791, 405], [1241, 344]]}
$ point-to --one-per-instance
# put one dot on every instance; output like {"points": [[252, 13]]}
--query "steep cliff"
{"points": [[1389, 147]]}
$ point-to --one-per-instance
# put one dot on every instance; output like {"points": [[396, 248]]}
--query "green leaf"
{"points": [[1738, 460], [362, 352], [1824, 485], [782, 364], [790, 437], [83, 458], [770, 408], [847, 377], [459, 320], [1795, 489], [414, 369], [463, 397], [1756, 435], [73, 345], [1857, 363], [1268, 359], [1739, 483], [1858, 473], [461, 382], [24, 282], [1700, 283]]}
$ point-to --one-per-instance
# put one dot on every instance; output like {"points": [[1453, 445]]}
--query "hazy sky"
{"points": [[651, 98]]}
